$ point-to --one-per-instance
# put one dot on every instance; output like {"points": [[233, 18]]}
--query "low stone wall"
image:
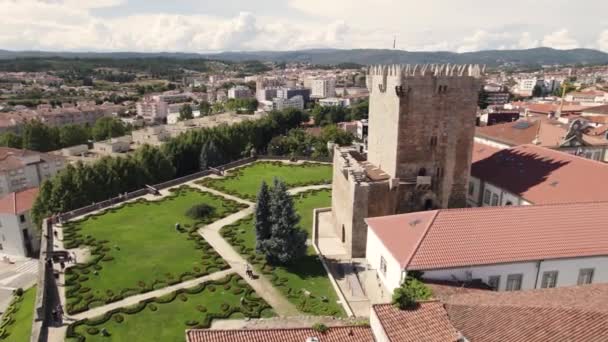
{"points": [[315, 244], [297, 158], [44, 285]]}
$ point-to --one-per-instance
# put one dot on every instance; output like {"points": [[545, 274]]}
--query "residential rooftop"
{"points": [[541, 175], [333, 334], [493, 235], [18, 202]]}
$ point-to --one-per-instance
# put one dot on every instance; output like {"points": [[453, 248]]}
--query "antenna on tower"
{"points": [[395, 42]]}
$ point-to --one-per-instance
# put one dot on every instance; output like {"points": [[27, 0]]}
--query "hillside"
{"points": [[538, 56]]}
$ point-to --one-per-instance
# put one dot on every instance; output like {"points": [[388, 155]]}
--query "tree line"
{"points": [[83, 184], [36, 136]]}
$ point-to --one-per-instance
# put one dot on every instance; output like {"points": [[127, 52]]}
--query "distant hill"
{"points": [[537, 56]]}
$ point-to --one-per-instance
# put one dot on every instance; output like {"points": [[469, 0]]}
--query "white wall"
{"points": [[568, 271], [11, 236], [491, 143], [377, 328], [374, 251]]}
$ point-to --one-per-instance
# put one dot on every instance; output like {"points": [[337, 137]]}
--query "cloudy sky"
{"points": [[220, 25]]}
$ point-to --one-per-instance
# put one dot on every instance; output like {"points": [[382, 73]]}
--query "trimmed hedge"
{"points": [[252, 307], [101, 250]]}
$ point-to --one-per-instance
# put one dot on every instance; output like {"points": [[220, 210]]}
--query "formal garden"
{"points": [[16, 324], [305, 282], [244, 182], [166, 318], [138, 247]]}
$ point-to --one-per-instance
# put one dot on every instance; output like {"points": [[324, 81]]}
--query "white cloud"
{"points": [[431, 25], [560, 39], [602, 42]]}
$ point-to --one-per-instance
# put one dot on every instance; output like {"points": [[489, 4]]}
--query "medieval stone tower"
{"points": [[421, 128]]}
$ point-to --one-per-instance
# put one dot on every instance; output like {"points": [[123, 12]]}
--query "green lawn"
{"points": [[166, 318], [245, 182], [17, 319], [136, 248], [307, 275], [305, 204]]}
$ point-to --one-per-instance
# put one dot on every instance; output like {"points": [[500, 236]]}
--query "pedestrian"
{"points": [[54, 314], [62, 264]]}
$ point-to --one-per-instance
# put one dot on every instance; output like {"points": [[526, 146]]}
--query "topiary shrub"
{"points": [[191, 323], [200, 211], [183, 297], [201, 308], [225, 307], [237, 290], [19, 292], [92, 331], [227, 287], [152, 307], [118, 318], [211, 288]]}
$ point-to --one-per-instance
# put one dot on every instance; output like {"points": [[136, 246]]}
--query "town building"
{"points": [[457, 313], [531, 174], [154, 135], [496, 95], [23, 169], [152, 110], [494, 116], [288, 93], [551, 134], [114, 145], [323, 88], [333, 102], [296, 102], [588, 98], [411, 165], [239, 92], [20, 237], [508, 248]]}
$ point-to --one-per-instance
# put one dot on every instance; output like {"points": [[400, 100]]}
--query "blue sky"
{"points": [[206, 26]]}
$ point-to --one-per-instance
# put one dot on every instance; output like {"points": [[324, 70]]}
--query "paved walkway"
{"points": [[138, 298], [301, 189], [215, 192], [262, 286]]}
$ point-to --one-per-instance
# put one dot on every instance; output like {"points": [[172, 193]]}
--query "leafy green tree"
{"points": [[334, 134], [537, 91], [72, 135], [38, 137], [108, 127], [328, 115], [185, 112], [156, 167], [262, 217], [359, 111], [287, 242], [205, 108], [210, 155], [10, 139], [412, 290]]}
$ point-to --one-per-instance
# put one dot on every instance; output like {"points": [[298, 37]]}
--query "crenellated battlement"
{"points": [[409, 70]]}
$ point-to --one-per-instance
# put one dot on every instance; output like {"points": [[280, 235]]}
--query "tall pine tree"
{"points": [[263, 221], [287, 241], [210, 156]]}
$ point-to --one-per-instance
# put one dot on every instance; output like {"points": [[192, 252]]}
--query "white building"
{"points": [[323, 88], [296, 102], [333, 102], [114, 145], [530, 174], [23, 169], [152, 110], [526, 86], [19, 236], [508, 248], [155, 136], [239, 92]]}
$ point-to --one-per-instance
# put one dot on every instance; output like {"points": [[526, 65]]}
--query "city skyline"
{"points": [[236, 25]]}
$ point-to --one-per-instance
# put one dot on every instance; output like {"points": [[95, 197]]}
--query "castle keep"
{"points": [[421, 128]]}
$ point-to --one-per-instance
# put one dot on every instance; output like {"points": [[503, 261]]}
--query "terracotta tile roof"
{"points": [[521, 132], [334, 334], [541, 175], [429, 323], [11, 158], [596, 110], [494, 235], [445, 289], [482, 151], [578, 313], [18, 202]]}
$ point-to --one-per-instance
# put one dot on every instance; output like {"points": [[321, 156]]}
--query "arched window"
{"points": [[428, 204], [422, 172], [343, 234], [509, 203]]}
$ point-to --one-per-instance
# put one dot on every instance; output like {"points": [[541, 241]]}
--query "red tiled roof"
{"points": [[550, 134], [578, 313], [10, 158], [596, 110], [333, 334], [482, 151], [541, 175], [18, 202], [429, 323], [494, 235]]}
